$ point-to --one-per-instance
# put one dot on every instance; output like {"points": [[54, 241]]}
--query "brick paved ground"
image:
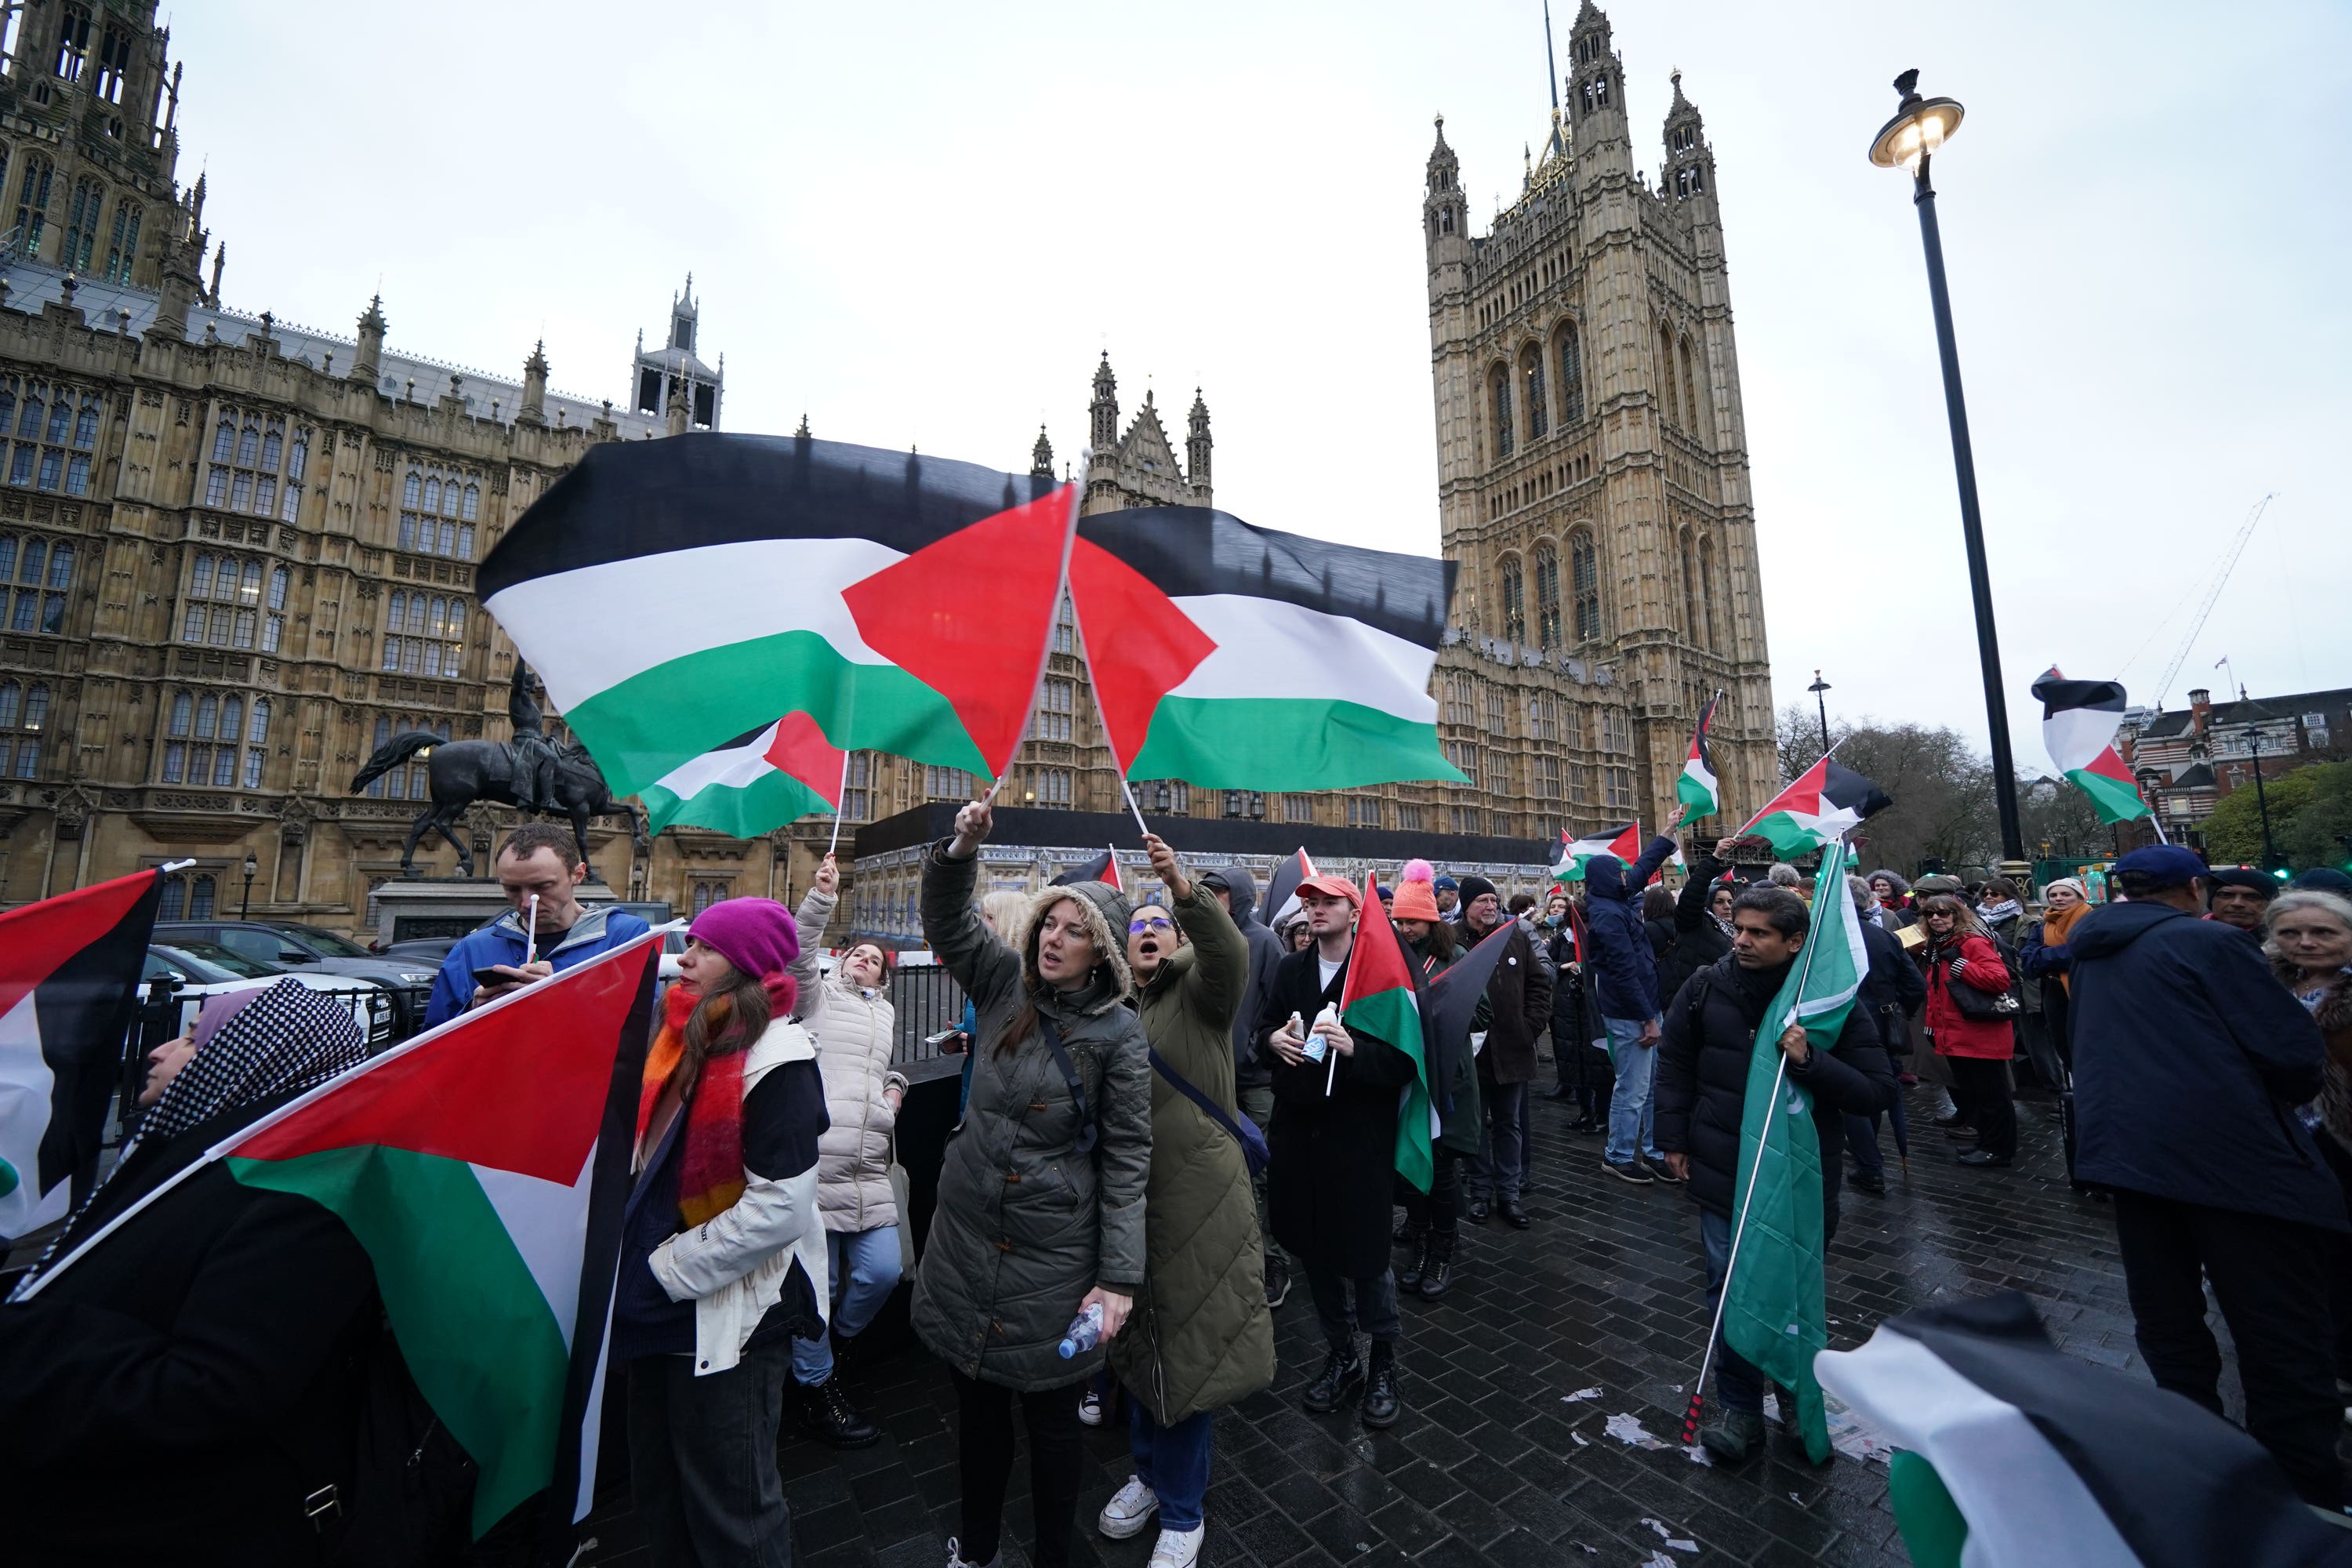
{"points": [[1492, 1462]]}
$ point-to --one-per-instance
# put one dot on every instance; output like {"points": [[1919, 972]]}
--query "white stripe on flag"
{"points": [[685, 602], [548, 1225], [26, 1088], [736, 767], [2017, 1492], [2076, 736], [1270, 648]]}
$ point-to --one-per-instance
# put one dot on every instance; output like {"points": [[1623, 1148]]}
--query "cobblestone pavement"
{"points": [[1502, 1456]]}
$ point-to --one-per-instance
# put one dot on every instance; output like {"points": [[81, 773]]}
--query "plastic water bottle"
{"points": [[1317, 1045], [1086, 1332]]}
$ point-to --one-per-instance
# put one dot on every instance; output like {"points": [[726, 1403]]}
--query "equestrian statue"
{"points": [[530, 773]]}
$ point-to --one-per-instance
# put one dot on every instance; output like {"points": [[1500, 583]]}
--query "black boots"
{"points": [[1381, 1401], [827, 1416], [1434, 1274], [1341, 1379], [1416, 1242]]}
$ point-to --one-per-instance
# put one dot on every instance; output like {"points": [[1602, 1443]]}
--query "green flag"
{"points": [[1773, 1313]]}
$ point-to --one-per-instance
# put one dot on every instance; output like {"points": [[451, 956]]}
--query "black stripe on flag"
{"points": [[2184, 1487], [626, 499], [85, 1010], [1840, 785], [1187, 551], [1095, 870], [2058, 694]]}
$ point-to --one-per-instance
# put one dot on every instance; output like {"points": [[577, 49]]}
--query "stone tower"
{"points": [[1592, 475], [670, 382]]}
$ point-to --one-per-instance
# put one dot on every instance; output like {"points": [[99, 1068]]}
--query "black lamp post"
{"points": [[1822, 703], [2262, 798], [245, 908], [1920, 126]]}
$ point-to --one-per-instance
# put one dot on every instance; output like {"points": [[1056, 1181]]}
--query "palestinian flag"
{"points": [[2006, 1448], [2078, 725], [754, 782], [678, 593], [1449, 1008], [1773, 1310], [1103, 867], [1237, 658], [1695, 788], [1282, 888], [68, 990], [483, 1165], [1380, 998], [1826, 803], [1625, 843]]}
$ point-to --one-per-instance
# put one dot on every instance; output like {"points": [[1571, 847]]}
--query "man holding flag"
{"points": [[1759, 1142]]}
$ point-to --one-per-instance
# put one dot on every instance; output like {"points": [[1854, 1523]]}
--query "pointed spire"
{"points": [[1040, 456], [1102, 428], [803, 433], [537, 364]]}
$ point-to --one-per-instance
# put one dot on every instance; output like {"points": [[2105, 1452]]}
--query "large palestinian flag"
{"points": [[1826, 802], [754, 782], [2011, 1453], [1695, 788], [68, 990], [2078, 725], [1237, 658], [1625, 843], [1379, 997], [483, 1165], [674, 595]]}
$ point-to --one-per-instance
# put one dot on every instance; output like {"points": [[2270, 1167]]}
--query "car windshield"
{"points": [[199, 969], [328, 942], [242, 965]]}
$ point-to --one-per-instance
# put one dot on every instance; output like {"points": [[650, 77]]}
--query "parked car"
{"points": [[426, 950], [194, 972], [307, 948]]}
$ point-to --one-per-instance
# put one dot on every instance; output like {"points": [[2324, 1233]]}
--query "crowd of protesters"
{"points": [[1161, 1117]]}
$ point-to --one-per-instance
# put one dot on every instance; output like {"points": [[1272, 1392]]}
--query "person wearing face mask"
{"points": [[212, 1326], [855, 1028], [1041, 1196], [1202, 1336]]}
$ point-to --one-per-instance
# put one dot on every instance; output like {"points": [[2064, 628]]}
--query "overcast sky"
{"points": [[922, 223]]}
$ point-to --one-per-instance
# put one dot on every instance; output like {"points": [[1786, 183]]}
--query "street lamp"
{"points": [[244, 909], [1920, 127], [1821, 702], [2261, 798]]}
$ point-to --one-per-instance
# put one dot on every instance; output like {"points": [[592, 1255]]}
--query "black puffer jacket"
{"points": [[1698, 941], [1701, 1087]]}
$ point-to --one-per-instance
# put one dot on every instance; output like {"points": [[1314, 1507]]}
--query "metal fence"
{"points": [[927, 1000]]}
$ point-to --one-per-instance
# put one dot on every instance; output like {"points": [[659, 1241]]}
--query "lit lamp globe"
{"points": [[1920, 126]]}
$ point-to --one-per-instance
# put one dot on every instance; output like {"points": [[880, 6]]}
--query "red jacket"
{"points": [[1980, 965]]}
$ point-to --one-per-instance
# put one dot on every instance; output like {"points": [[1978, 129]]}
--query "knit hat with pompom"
{"points": [[1416, 894]]}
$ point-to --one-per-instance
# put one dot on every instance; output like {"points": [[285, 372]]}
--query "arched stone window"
{"points": [[1690, 388], [81, 226], [1689, 553], [123, 249], [1515, 600], [1572, 375], [1669, 402], [1531, 383], [1584, 584], [1706, 587], [1500, 385], [1548, 595]]}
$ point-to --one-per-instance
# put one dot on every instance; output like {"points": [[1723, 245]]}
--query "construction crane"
{"points": [[2212, 596]]}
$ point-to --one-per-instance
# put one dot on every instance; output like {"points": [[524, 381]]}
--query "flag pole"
{"points": [[1824, 757], [841, 796], [530, 934], [1739, 1229], [1077, 484], [1123, 789]]}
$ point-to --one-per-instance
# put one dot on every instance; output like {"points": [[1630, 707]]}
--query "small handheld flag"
{"points": [[1379, 997], [1828, 800], [1103, 867], [1625, 843], [1696, 789]]}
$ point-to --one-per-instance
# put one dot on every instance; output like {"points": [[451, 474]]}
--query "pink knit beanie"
{"points": [[756, 935]]}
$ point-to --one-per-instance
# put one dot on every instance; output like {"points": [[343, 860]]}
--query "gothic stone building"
{"points": [[1593, 485]]}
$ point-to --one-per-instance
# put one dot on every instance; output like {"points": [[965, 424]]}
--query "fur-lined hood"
{"points": [[1106, 912], [2334, 1013]]}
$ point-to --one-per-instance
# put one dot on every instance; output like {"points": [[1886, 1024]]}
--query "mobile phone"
{"points": [[494, 977], [942, 1038]]}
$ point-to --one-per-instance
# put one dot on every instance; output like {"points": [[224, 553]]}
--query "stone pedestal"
{"points": [[410, 909]]}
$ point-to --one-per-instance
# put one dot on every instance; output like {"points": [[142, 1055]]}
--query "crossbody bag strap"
{"points": [[1185, 1087], [1085, 1142]]}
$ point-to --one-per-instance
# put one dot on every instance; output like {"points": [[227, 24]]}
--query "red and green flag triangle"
{"points": [[1378, 998]]}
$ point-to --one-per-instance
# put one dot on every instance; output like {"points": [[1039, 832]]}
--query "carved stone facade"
{"points": [[236, 552]]}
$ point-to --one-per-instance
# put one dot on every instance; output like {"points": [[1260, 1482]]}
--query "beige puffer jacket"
{"points": [[857, 1033]]}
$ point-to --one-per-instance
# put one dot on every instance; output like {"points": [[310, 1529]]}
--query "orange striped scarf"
{"points": [[711, 1173]]}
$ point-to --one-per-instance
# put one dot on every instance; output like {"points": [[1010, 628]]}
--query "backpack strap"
{"points": [[1086, 1130]]}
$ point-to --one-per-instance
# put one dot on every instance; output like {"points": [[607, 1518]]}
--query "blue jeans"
{"points": [[1501, 1162], [865, 1272], [1173, 1461], [1630, 1131], [1737, 1385]]}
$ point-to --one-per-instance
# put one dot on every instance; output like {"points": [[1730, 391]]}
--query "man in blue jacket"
{"points": [[1621, 978], [2189, 1063], [539, 858]]}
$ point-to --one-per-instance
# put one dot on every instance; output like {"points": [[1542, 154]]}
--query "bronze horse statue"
{"points": [[463, 772]]}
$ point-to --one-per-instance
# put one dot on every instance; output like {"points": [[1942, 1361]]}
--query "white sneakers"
{"points": [[956, 1558], [1091, 1408], [1178, 1548], [1129, 1510]]}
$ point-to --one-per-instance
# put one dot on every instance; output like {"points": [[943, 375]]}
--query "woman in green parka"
{"points": [[1202, 1336], [1041, 1200], [1430, 1220]]}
